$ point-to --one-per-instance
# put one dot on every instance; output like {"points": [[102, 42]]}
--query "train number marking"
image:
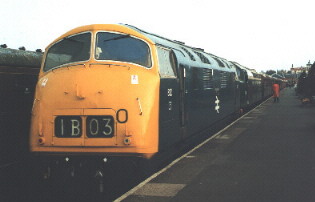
{"points": [[108, 127], [170, 105], [217, 106], [68, 126], [75, 128], [94, 127], [100, 126], [170, 92], [62, 129]]}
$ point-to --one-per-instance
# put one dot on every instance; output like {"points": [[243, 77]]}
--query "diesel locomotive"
{"points": [[118, 91]]}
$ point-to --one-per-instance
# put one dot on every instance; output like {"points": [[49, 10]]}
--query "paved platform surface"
{"points": [[268, 155]]}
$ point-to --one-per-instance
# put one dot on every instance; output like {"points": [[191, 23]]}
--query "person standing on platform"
{"points": [[276, 92]]}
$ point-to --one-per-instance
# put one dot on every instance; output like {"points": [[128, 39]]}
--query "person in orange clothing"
{"points": [[276, 92]]}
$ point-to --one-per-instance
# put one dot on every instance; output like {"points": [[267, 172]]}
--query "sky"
{"points": [[259, 34]]}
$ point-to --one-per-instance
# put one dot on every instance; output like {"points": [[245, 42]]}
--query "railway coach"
{"points": [[18, 76]]}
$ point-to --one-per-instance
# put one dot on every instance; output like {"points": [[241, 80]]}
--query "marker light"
{"points": [[127, 141], [41, 140]]}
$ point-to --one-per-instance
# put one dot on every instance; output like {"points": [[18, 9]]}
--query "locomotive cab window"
{"points": [[122, 47], [167, 62], [70, 49]]}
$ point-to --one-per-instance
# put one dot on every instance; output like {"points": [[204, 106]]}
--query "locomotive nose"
{"points": [[86, 107]]}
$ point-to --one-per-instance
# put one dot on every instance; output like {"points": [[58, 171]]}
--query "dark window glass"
{"points": [[70, 49], [240, 74], [166, 62], [119, 47]]}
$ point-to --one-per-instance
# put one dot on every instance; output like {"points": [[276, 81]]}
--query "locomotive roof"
{"points": [[187, 54]]}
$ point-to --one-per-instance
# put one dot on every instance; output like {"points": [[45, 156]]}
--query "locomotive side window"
{"points": [[167, 62], [242, 75], [70, 49], [120, 47]]}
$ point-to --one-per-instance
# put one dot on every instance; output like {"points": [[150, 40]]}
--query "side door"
{"points": [[236, 86], [169, 129], [183, 99]]}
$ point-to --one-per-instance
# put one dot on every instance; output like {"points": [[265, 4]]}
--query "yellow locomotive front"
{"points": [[97, 94]]}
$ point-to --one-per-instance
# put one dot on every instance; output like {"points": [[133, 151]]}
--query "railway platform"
{"points": [[266, 155]]}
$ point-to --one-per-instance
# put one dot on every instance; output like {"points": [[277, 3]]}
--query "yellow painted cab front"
{"points": [[97, 93]]}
